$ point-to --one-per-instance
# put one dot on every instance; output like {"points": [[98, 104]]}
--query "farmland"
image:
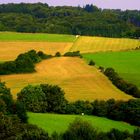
{"points": [[10, 50], [125, 63], [79, 81], [102, 44], [59, 123]]}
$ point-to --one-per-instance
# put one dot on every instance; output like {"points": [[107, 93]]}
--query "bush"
{"points": [[80, 130], [58, 54], [91, 63], [43, 56]]}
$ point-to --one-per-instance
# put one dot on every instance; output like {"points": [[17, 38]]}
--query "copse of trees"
{"points": [[89, 20], [120, 83], [24, 63], [43, 98]]}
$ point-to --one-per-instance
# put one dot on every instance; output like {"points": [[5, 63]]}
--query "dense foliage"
{"points": [[48, 98], [73, 54], [24, 63], [43, 98], [13, 115], [120, 83], [82, 130], [13, 119], [89, 20]]}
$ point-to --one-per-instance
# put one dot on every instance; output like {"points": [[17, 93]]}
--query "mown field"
{"points": [[13, 36], [127, 64], [102, 44], [59, 123], [79, 81], [10, 50]]}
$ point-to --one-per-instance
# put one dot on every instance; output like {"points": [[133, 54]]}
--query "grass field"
{"points": [[79, 81], [10, 50], [59, 123], [127, 64], [13, 36], [102, 44]]}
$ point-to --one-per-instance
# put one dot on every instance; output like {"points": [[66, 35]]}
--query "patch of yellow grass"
{"points": [[79, 81], [10, 50], [102, 44]]}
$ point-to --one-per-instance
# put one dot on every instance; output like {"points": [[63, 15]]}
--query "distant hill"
{"points": [[89, 20]]}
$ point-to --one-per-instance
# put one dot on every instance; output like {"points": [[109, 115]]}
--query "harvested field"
{"points": [[104, 44], [10, 50], [79, 81]]}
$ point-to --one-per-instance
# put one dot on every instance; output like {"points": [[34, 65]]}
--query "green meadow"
{"points": [[59, 123], [127, 64], [13, 36]]}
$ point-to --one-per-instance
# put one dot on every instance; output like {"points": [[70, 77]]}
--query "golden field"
{"points": [[10, 50], [103, 44], [79, 81]]}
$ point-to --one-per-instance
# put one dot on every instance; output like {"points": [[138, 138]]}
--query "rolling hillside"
{"points": [[127, 64], [79, 81], [102, 44], [59, 123]]}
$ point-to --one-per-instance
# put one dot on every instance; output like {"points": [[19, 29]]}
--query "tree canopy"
{"points": [[87, 20]]}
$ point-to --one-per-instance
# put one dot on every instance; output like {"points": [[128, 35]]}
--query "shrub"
{"points": [[91, 63], [43, 55], [58, 54]]}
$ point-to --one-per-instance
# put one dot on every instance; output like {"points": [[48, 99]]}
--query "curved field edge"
{"points": [[73, 75], [14, 36], [103, 44], [59, 123], [127, 63]]}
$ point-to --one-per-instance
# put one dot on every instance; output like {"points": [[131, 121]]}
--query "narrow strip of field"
{"points": [[127, 64], [13, 36], [102, 44], [59, 123], [10, 50], [79, 81]]}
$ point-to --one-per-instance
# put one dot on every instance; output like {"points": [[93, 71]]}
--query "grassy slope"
{"points": [[102, 44], [78, 80], [127, 64], [60, 123], [13, 36]]}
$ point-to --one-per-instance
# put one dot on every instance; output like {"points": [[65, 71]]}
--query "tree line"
{"points": [[120, 83], [47, 98], [87, 20], [14, 120]]}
